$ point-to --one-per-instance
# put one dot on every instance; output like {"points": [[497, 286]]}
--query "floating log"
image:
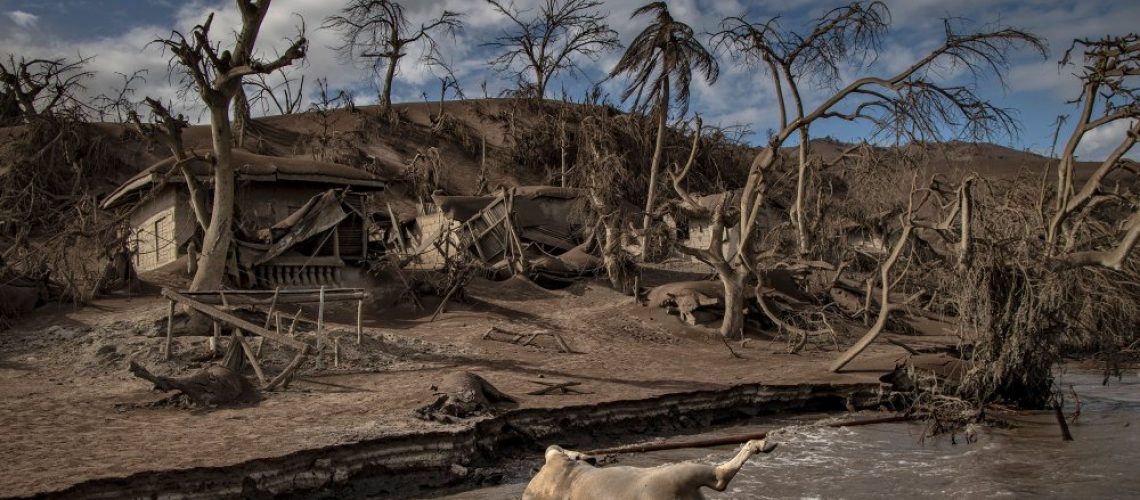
{"points": [[730, 440]]}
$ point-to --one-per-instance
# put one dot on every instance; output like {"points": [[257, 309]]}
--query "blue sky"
{"points": [[116, 34]]}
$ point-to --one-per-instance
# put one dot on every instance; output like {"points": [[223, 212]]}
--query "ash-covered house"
{"points": [[298, 221]]}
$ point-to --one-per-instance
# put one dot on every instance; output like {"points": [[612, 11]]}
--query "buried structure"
{"points": [[299, 221], [538, 230]]}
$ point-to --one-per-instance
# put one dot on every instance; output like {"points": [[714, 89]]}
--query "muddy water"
{"points": [[891, 461]]}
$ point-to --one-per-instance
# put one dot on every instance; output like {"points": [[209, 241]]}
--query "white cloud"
{"points": [[23, 19], [1098, 143]]}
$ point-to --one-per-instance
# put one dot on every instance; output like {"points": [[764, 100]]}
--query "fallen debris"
{"points": [[562, 386], [463, 395], [211, 386], [524, 339]]}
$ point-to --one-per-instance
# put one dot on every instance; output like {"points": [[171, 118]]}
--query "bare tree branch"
{"points": [[379, 29], [550, 42]]}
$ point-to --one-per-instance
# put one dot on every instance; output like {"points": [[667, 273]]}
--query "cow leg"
{"points": [[726, 471]]}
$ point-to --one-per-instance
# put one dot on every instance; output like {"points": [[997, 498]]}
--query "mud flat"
{"points": [[418, 462], [78, 425]]}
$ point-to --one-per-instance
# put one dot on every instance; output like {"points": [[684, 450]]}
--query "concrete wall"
{"points": [[160, 226]]}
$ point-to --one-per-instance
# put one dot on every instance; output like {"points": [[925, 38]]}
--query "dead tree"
{"points": [[907, 100], [885, 284], [546, 44], [168, 130], [120, 104], [379, 30], [1111, 68], [661, 60], [846, 36], [285, 95], [601, 172], [216, 75], [39, 87]]}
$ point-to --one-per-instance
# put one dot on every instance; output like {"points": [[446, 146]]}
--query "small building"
{"points": [[298, 221]]}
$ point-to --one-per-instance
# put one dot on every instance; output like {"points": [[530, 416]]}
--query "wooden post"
{"points": [[293, 326], [336, 353], [278, 315], [250, 356], [217, 338], [321, 314], [272, 306], [359, 320], [169, 332], [260, 342]]}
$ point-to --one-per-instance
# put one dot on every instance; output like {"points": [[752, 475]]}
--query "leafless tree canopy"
{"points": [[849, 35], [549, 42], [40, 87], [1111, 67], [120, 105], [379, 29], [283, 97]]}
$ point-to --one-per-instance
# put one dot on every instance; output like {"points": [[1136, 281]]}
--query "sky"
{"points": [[116, 34]]}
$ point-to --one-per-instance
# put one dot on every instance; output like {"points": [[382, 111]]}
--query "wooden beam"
{"points": [[284, 292], [235, 321], [313, 298]]}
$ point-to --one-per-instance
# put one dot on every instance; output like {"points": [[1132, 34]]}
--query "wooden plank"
{"points": [[235, 321], [396, 228], [288, 291], [239, 300]]}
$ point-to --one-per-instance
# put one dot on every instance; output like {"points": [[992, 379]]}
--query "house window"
{"points": [[154, 241]]}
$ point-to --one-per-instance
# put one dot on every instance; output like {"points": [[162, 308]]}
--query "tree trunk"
{"points": [[801, 188], [540, 84], [734, 303], [216, 243], [242, 117], [389, 75], [663, 111], [616, 270]]}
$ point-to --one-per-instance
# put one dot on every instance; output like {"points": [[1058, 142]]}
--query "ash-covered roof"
{"points": [[251, 167]]}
